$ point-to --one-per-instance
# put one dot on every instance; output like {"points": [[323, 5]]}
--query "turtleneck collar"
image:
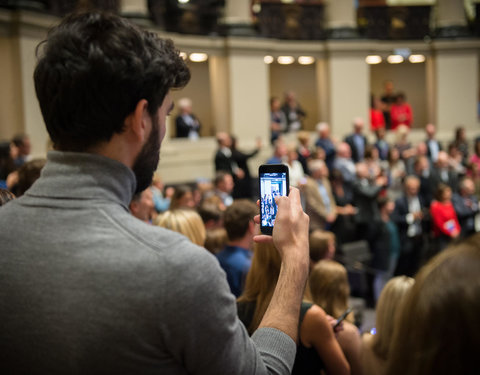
{"points": [[79, 175]]}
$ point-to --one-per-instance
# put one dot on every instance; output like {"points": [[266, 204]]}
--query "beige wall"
{"points": [[11, 105], [302, 79], [198, 90], [249, 95], [407, 78], [349, 86], [457, 89]]}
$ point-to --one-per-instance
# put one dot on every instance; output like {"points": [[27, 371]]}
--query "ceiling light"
{"points": [[198, 57], [285, 60], [183, 55], [183, 1], [373, 59], [306, 60], [268, 59], [395, 59], [416, 59]]}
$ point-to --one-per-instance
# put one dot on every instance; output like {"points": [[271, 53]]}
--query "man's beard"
{"points": [[147, 160]]}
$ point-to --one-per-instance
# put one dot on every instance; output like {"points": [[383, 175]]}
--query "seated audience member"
{"points": [[344, 164], [410, 217], [421, 170], [142, 206], [278, 120], [461, 143], [401, 112], [420, 150], [26, 175], [344, 227], [372, 161], [376, 348], [437, 329], [186, 122], [5, 196], [23, 146], [326, 142], [322, 246], [365, 194], [388, 98], [433, 145], [161, 200], [211, 214], [445, 224], [319, 201], [466, 206], [223, 188], [455, 161], [184, 221], [386, 247], [395, 171], [381, 144], [86, 287], [303, 149], [357, 140], [235, 257], [243, 183], [295, 169], [474, 160], [403, 144], [294, 113], [182, 197], [377, 120], [317, 347], [7, 164], [329, 289], [216, 240], [442, 174], [279, 153]]}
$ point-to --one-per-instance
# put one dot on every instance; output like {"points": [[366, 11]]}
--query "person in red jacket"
{"points": [[401, 112], [445, 224]]}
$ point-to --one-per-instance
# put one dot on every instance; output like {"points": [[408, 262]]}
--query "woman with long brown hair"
{"points": [[317, 348]]}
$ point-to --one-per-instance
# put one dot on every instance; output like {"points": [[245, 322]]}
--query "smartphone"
{"points": [[274, 181], [342, 317]]}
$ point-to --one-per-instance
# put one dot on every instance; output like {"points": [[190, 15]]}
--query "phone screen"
{"points": [[272, 184]]}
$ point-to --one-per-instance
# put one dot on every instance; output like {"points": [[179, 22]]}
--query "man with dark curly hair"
{"points": [[86, 288]]}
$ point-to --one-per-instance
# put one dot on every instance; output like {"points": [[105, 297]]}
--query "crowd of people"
{"points": [[106, 270]]}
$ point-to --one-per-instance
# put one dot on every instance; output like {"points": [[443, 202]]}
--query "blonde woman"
{"points": [[437, 331], [377, 347], [328, 288], [187, 222], [317, 348]]}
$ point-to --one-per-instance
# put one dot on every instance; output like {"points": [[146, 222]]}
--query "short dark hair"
{"points": [[237, 217], [92, 71], [5, 196]]}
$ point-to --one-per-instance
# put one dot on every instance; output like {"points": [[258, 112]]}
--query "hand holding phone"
{"points": [[342, 317], [274, 182]]}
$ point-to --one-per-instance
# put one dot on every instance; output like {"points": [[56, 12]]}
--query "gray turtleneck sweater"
{"points": [[86, 288]]}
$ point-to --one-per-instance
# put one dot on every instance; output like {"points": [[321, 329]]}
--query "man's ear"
{"points": [[139, 121]]}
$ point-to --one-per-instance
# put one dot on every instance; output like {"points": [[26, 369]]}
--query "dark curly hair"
{"points": [[93, 69]]}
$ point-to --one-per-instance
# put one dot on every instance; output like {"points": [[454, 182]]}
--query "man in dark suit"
{"points": [[433, 146], [442, 174], [186, 122], [410, 217], [466, 206], [357, 141]]}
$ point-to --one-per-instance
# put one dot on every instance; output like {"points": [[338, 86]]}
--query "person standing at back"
{"points": [[87, 288]]}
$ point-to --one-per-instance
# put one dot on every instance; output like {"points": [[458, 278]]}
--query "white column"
{"points": [[238, 18], [219, 78], [341, 18], [456, 73], [451, 20], [249, 95], [349, 90]]}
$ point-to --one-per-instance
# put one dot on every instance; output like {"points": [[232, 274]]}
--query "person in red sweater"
{"points": [[401, 112], [377, 120], [444, 219]]}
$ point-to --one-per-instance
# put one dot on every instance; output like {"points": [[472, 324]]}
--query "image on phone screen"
{"points": [[272, 184]]}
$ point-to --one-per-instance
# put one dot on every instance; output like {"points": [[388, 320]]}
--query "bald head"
{"points": [[344, 151], [412, 185], [358, 125]]}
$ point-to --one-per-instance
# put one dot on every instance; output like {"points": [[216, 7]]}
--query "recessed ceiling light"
{"points": [[285, 60], [395, 59], [198, 57], [416, 59], [306, 60], [268, 59], [373, 59]]}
